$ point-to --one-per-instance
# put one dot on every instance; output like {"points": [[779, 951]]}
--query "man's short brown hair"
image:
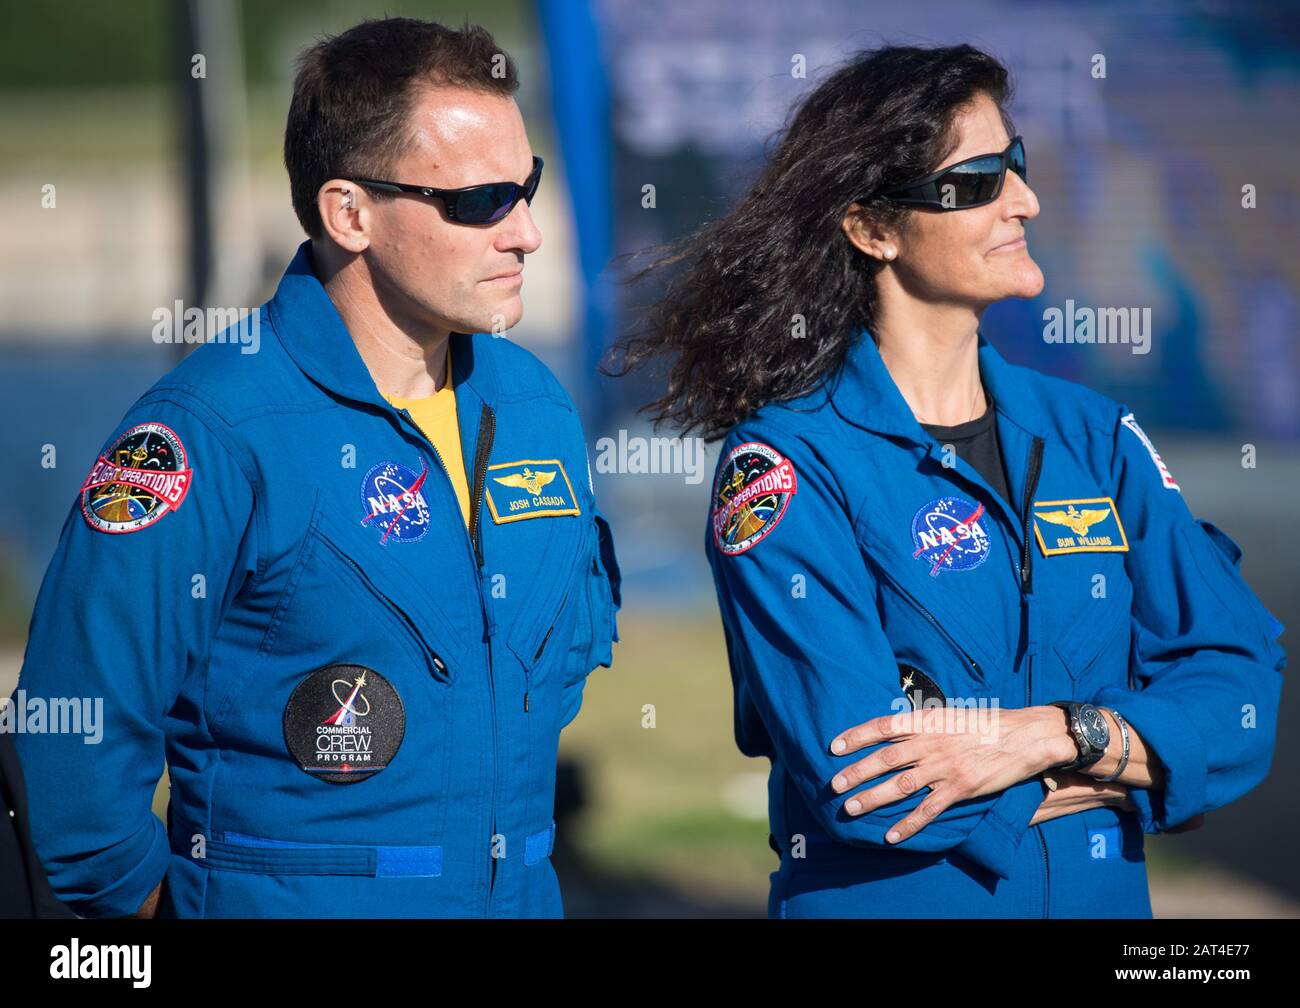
{"points": [[353, 92]]}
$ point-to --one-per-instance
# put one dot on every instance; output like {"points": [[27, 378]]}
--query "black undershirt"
{"points": [[976, 441]]}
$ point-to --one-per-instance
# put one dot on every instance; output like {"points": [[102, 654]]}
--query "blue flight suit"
{"points": [[268, 579], [860, 567]]}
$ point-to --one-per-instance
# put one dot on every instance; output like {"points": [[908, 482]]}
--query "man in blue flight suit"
{"points": [[861, 567], [350, 585]]}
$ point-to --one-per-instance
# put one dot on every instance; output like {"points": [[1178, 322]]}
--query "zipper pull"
{"points": [[525, 701], [542, 646]]}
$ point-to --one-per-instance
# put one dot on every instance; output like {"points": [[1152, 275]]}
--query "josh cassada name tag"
{"points": [[1085, 525], [529, 488]]}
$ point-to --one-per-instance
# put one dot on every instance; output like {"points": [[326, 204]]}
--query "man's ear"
{"points": [[344, 209], [867, 236]]}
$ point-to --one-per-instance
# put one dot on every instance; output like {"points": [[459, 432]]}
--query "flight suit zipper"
{"points": [[1033, 471], [1031, 484], [487, 426], [474, 540]]}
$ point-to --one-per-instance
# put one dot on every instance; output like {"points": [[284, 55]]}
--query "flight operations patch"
{"points": [[751, 494], [1082, 525], [137, 481]]}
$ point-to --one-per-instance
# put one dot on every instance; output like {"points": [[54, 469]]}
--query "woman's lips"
{"points": [[508, 280], [1010, 246]]}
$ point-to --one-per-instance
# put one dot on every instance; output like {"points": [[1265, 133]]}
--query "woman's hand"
{"points": [[1076, 792], [957, 752]]}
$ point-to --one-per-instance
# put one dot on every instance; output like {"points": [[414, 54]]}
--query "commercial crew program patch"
{"points": [[949, 536], [1082, 525], [751, 494], [921, 691], [142, 477], [529, 488], [344, 723]]}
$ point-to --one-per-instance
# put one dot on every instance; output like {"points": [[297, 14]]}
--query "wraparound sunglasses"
{"points": [[479, 204], [974, 182]]}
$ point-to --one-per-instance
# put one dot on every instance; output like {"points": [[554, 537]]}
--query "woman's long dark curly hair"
{"points": [[738, 285]]}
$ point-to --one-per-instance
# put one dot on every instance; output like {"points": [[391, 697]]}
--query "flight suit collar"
{"points": [[866, 394], [314, 335]]}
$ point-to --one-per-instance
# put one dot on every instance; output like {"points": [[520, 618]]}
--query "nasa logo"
{"points": [[392, 496], [754, 486], [948, 535]]}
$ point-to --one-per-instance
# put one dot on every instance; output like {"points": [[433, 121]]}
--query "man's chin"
{"points": [[496, 319]]}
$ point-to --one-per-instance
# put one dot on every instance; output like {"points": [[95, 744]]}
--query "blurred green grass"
{"points": [[656, 794]]}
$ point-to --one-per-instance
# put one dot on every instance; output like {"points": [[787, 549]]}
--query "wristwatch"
{"points": [[1090, 731]]}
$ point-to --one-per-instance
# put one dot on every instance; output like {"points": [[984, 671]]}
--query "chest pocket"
{"points": [[945, 626], [550, 562], [349, 605], [1087, 598]]}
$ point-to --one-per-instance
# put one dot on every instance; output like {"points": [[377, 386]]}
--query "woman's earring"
{"points": [[890, 253], [347, 201]]}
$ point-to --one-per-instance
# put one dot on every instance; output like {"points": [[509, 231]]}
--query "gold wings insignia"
{"points": [[527, 480], [1077, 522]]}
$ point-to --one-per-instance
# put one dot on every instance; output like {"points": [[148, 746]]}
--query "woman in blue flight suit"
{"points": [[963, 602]]}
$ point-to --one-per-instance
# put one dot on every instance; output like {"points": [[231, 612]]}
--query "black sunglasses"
{"points": [[970, 183], [479, 204]]}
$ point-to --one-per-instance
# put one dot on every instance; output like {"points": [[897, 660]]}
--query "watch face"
{"points": [[1094, 727]]}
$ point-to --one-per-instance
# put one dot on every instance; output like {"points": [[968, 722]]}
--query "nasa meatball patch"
{"points": [[753, 489], [344, 723], [142, 477], [949, 536], [393, 497]]}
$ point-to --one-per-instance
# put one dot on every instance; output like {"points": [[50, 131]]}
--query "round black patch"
{"points": [[343, 723], [918, 687]]}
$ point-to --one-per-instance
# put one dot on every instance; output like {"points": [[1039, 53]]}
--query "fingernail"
{"points": [[838, 746], [852, 806], [892, 836], [839, 783]]}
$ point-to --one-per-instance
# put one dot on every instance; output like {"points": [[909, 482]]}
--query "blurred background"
{"points": [[133, 174]]}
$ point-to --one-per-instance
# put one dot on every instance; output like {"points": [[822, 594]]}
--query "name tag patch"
{"points": [[529, 488], [1083, 525]]}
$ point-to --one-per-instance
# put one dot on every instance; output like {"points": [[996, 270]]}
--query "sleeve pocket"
{"points": [[1220, 568]]}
